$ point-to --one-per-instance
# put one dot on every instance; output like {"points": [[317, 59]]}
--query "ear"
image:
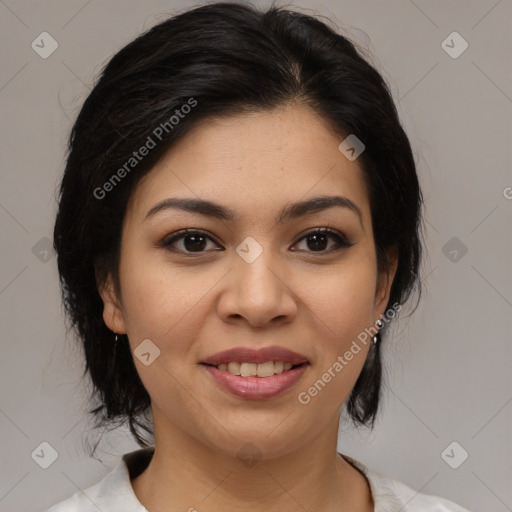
{"points": [[384, 282], [112, 310]]}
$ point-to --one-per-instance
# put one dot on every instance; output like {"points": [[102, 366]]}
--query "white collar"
{"points": [[115, 492]]}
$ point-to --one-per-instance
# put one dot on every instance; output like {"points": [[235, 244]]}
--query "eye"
{"points": [[196, 241], [192, 241], [318, 240]]}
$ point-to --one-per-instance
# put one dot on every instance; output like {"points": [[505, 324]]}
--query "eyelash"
{"points": [[167, 242]]}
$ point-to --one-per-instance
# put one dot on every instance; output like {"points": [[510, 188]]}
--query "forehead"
{"points": [[255, 162]]}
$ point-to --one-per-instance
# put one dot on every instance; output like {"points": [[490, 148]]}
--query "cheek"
{"points": [[162, 307], [341, 308], [343, 300], [158, 300]]}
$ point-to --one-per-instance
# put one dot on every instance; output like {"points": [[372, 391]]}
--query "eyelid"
{"points": [[343, 241], [178, 235]]}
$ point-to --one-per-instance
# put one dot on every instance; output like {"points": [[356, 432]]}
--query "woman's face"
{"points": [[264, 277]]}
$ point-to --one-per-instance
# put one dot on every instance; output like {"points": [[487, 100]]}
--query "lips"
{"points": [[250, 355], [256, 374]]}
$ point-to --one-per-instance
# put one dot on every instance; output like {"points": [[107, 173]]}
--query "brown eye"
{"points": [[191, 241], [194, 242], [318, 240]]}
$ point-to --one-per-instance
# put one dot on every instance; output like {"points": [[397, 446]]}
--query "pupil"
{"points": [[316, 237], [198, 242]]}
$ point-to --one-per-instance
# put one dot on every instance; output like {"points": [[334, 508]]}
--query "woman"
{"points": [[239, 221]]}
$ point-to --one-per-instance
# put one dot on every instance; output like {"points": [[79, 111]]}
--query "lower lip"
{"points": [[256, 388]]}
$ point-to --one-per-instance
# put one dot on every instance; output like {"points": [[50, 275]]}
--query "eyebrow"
{"points": [[289, 212]]}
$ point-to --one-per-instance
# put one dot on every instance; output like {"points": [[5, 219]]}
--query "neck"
{"points": [[186, 474]]}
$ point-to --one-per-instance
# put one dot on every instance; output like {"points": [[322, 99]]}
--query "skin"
{"points": [[313, 301]]}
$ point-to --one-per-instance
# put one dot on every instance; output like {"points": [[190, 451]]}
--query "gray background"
{"points": [[448, 366]]}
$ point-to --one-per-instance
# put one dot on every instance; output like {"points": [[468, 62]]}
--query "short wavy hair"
{"points": [[231, 59]]}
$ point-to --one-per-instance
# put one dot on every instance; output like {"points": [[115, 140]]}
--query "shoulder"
{"points": [[390, 495], [113, 492], [414, 501], [81, 501]]}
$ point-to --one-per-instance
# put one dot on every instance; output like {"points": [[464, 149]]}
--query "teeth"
{"points": [[265, 369], [233, 368], [252, 369], [249, 369]]}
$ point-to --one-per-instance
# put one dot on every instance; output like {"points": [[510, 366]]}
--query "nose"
{"points": [[259, 293]]}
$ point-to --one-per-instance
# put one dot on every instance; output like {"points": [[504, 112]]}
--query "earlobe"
{"points": [[112, 311]]}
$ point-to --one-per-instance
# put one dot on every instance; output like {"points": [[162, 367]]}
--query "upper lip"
{"points": [[250, 355]]}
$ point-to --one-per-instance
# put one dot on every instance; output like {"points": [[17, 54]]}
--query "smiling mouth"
{"points": [[267, 369]]}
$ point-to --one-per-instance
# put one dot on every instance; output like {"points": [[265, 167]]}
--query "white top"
{"points": [[114, 492]]}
